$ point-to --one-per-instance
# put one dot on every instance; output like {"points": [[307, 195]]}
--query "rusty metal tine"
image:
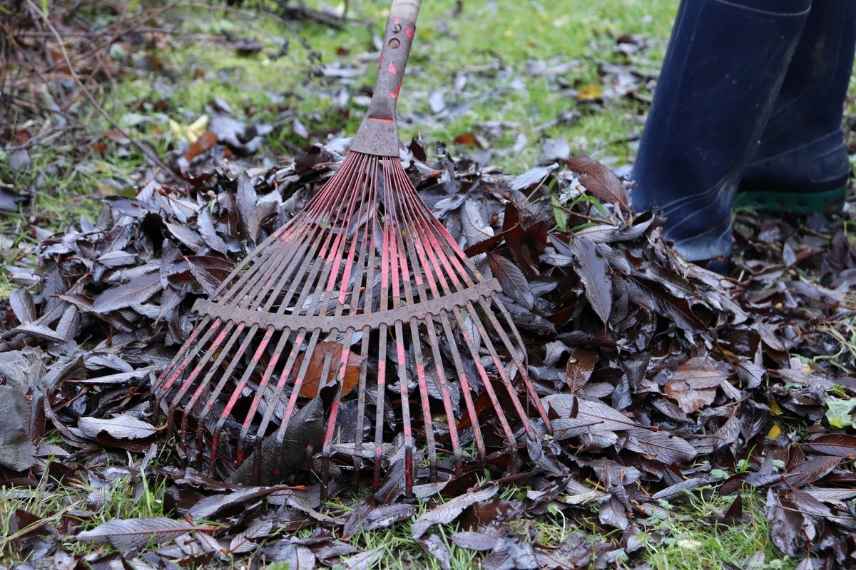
{"points": [[297, 232], [462, 375], [187, 357], [188, 382], [355, 299], [403, 253], [500, 369], [401, 357], [229, 291], [178, 359], [466, 389], [383, 339], [233, 363], [256, 254], [381, 401], [313, 274], [438, 238], [202, 386], [361, 394], [368, 302], [260, 390], [298, 384], [512, 392], [532, 395], [283, 379], [442, 382], [239, 387], [486, 382]]}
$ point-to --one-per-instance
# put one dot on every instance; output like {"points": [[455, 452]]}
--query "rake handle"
{"points": [[397, 41]]}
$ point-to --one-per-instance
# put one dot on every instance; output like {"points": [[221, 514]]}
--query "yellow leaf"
{"points": [[775, 431], [775, 409], [590, 92]]}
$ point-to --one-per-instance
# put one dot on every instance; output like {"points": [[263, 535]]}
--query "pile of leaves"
{"points": [[660, 377]]}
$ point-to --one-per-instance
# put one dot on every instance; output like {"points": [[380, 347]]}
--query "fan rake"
{"points": [[364, 293]]}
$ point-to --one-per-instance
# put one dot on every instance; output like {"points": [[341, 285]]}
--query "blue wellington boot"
{"points": [[723, 70], [802, 165]]}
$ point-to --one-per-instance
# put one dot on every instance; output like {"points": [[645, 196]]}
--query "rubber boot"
{"points": [[802, 165], [723, 70]]}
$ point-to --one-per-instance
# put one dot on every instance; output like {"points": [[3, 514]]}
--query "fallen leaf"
{"points": [[693, 384], [595, 274], [16, 446], [126, 534], [449, 511], [123, 426], [599, 180]]}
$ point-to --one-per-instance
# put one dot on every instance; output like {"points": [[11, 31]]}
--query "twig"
{"points": [[147, 152]]}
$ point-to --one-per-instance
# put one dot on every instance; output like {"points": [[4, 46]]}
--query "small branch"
{"points": [[147, 152]]}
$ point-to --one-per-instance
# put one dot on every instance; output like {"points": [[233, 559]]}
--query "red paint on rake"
{"points": [[367, 267]]}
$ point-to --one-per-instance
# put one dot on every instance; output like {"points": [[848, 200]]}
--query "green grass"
{"points": [[692, 540], [49, 500]]}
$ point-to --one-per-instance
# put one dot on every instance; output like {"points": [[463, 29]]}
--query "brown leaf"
{"points": [[594, 272], [16, 447], [810, 471], [693, 385], [599, 180], [447, 512], [467, 139], [134, 292], [579, 368], [333, 350], [125, 534], [123, 426], [203, 144], [512, 280], [837, 444], [478, 541]]}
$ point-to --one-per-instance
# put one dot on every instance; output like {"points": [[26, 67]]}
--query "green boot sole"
{"points": [[828, 202]]}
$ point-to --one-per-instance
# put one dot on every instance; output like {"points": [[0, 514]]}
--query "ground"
{"points": [[503, 81]]}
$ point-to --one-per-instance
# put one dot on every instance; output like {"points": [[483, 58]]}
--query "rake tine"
{"points": [[402, 256], [189, 349], [532, 395], [486, 382], [202, 386], [188, 382], [260, 390], [381, 401], [466, 390], [298, 385], [435, 348], [283, 379], [500, 368]]}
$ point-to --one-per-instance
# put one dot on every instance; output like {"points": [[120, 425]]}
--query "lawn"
{"points": [[504, 81]]}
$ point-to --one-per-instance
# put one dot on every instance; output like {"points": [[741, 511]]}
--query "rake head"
{"points": [[363, 300]]}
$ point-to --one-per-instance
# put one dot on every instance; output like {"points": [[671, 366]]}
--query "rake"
{"points": [[366, 294]]}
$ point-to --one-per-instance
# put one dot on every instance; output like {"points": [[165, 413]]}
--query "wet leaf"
{"points": [[599, 180], [16, 447], [134, 292], [120, 427], [449, 511], [512, 280], [693, 384], [126, 534], [595, 274], [579, 368]]}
